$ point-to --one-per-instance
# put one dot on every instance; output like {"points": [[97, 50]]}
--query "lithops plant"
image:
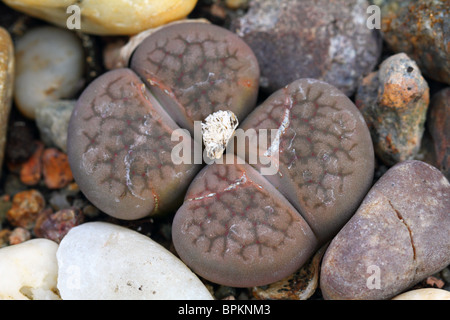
{"points": [[236, 226], [119, 140], [240, 228]]}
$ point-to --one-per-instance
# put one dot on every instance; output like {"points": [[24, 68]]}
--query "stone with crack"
{"points": [[399, 236]]}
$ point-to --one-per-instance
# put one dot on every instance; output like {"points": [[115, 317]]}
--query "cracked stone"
{"points": [[388, 234]]}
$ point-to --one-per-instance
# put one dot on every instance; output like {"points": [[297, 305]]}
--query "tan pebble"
{"points": [[113, 17], [424, 294], [6, 86]]}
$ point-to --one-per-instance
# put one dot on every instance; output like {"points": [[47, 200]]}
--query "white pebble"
{"points": [[29, 271], [103, 261], [49, 67]]}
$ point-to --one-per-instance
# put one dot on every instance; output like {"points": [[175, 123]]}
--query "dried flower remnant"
{"points": [[217, 130]]}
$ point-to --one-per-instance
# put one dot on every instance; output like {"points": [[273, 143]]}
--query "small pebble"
{"points": [[52, 120], [49, 67], [394, 103], [31, 170], [99, 260], [19, 235], [438, 123], [56, 169], [54, 226], [6, 86], [113, 17], [29, 271], [25, 208]]}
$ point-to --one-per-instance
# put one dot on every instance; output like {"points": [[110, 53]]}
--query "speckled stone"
{"points": [[420, 29], [394, 103], [325, 40], [6, 86]]}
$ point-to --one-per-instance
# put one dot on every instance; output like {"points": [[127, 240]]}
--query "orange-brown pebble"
{"points": [[19, 235], [56, 169], [31, 170], [25, 208]]}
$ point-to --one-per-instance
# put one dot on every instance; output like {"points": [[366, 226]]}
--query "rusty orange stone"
{"points": [[26, 206], [31, 170], [56, 170]]}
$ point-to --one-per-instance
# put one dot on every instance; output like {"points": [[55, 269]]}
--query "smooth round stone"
{"points": [[106, 17], [29, 271], [49, 67], [99, 260]]}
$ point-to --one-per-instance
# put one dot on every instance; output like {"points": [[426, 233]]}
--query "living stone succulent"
{"points": [[236, 226]]}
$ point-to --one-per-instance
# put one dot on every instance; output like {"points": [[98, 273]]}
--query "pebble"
{"points": [[114, 17], [49, 67], [52, 120], [54, 226], [424, 294], [6, 86], [99, 260], [25, 208], [31, 170], [56, 169], [29, 271], [438, 123], [420, 29], [394, 102], [325, 40], [19, 235], [399, 236]]}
